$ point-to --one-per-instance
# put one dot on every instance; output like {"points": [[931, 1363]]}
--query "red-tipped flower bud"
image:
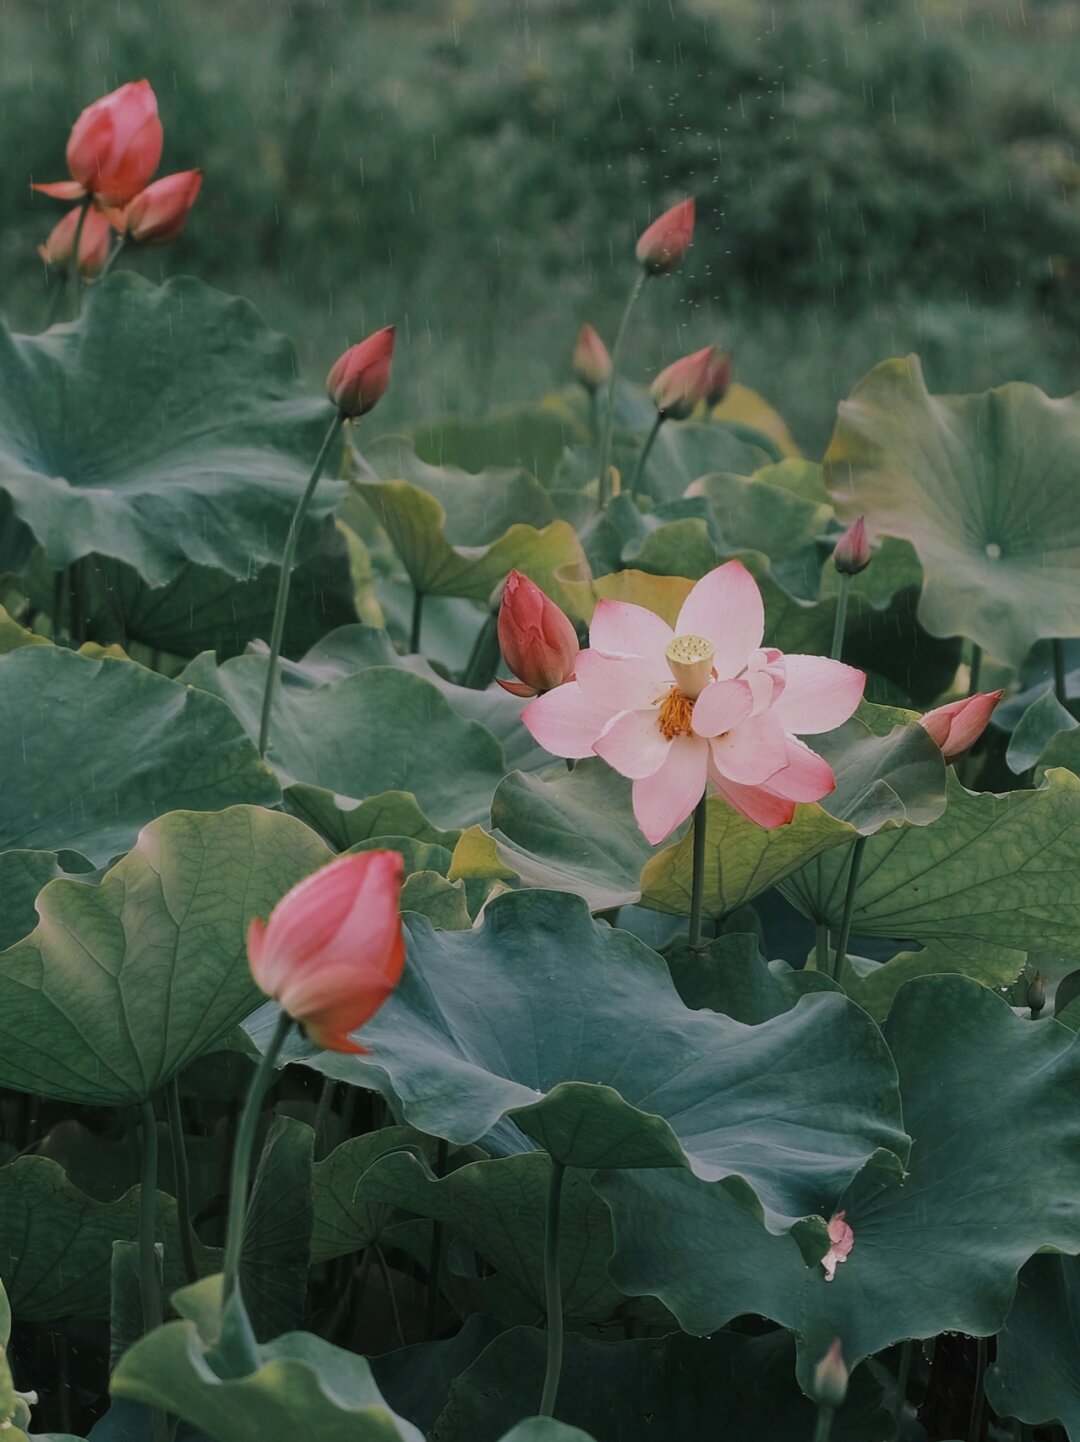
{"points": [[852, 553], [592, 363], [957, 726], [157, 214], [662, 246], [332, 951], [537, 639], [114, 147], [831, 1378], [679, 387], [358, 379], [93, 243], [719, 379]]}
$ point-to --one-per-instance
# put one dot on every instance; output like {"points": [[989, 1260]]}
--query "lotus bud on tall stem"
{"points": [[676, 391]]}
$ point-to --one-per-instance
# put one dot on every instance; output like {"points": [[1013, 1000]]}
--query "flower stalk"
{"points": [[643, 454], [616, 360], [857, 849], [697, 891], [553, 1292]]}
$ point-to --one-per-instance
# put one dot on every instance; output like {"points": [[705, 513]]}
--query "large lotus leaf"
{"points": [[1039, 725], [731, 975], [1036, 1373], [989, 1100], [166, 425], [884, 778], [346, 1220], [96, 749], [575, 1032], [686, 450], [626, 1390], [381, 729], [22, 875], [278, 1229], [390, 813], [983, 486], [750, 514], [303, 1387], [123, 984], [874, 984], [745, 407], [998, 869], [531, 436]]}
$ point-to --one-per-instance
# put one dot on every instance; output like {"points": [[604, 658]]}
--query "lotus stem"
{"points": [[285, 579], [241, 1159], [975, 669], [903, 1372], [435, 1255], [643, 456], [821, 947], [836, 651], [978, 1399], [594, 416], [114, 256], [857, 849], [483, 660], [553, 1300], [149, 1285], [74, 275], [616, 358], [824, 1424], [697, 884], [417, 622], [182, 1178]]}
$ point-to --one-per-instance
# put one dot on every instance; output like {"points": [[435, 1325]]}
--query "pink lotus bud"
{"points": [[679, 387], [157, 214], [358, 379], [719, 379], [666, 241], [843, 1239], [114, 147], [94, 242], [957, 726], [332, 951], [537, 639], [831, 1378], [1036, 993], [592, 364], [852, 553]]}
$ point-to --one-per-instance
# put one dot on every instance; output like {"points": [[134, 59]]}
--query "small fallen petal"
{"points": [[843, 1239]]}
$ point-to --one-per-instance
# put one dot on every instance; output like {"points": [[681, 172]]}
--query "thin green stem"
{"points": [[836, 651], [1059, 671], [114, 256], [322, 1114], [417, 622], [823, 1426], [74, 275], [58, 287], [182, 1178], [483, 660], [60, 595], [857, 849], [643, 454], [149, 1280], [616, 359], [697, 891], [975, 669], [821, 948], [285, 579], [553, 1300], [978, 1398], [76, 576], [388, 1283], [241, 1159], [594, 415], [903, 1373], [435, 1255]]}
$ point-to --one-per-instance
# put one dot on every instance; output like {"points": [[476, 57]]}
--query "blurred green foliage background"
{"points": [[872, 176]]}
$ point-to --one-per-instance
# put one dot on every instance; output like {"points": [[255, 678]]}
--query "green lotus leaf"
{"points": [[415, 1380], [731, 975], [347, 1220], [475, 1035], [623, 1389], [885, 780], [278, 1229], [22, 875], [1004, 870], [165, 426], [1036, 1372], [122, 985], [390, 813], [751, 514], [530, 436], [684, 451], [988, 1100], [443, 902], [874, 984], [1043, 721], [983, 486], [96, 749]]}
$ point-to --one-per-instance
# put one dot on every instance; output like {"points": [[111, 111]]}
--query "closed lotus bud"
{"points": [[592, 363], [333, 951], [157, 214], [831, 1378], [537, 639], [957, 726], [852, 553], [358, 379], [1036, 993], [719, 379], [94, 243], [662, 246], [114, 147], [683, 384]]}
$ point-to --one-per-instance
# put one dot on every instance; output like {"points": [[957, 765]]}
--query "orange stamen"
{"points": [[675, 713]]}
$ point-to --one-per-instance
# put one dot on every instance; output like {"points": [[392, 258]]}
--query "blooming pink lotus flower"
{"points": [[332, 951], [662, 246], [852, 553], [592, 363], [94, 242], [114, 147], [157, 214], [680, 386], [675, 709], [536, 637], [957, 726], [842, 1239], [358, 379]]}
